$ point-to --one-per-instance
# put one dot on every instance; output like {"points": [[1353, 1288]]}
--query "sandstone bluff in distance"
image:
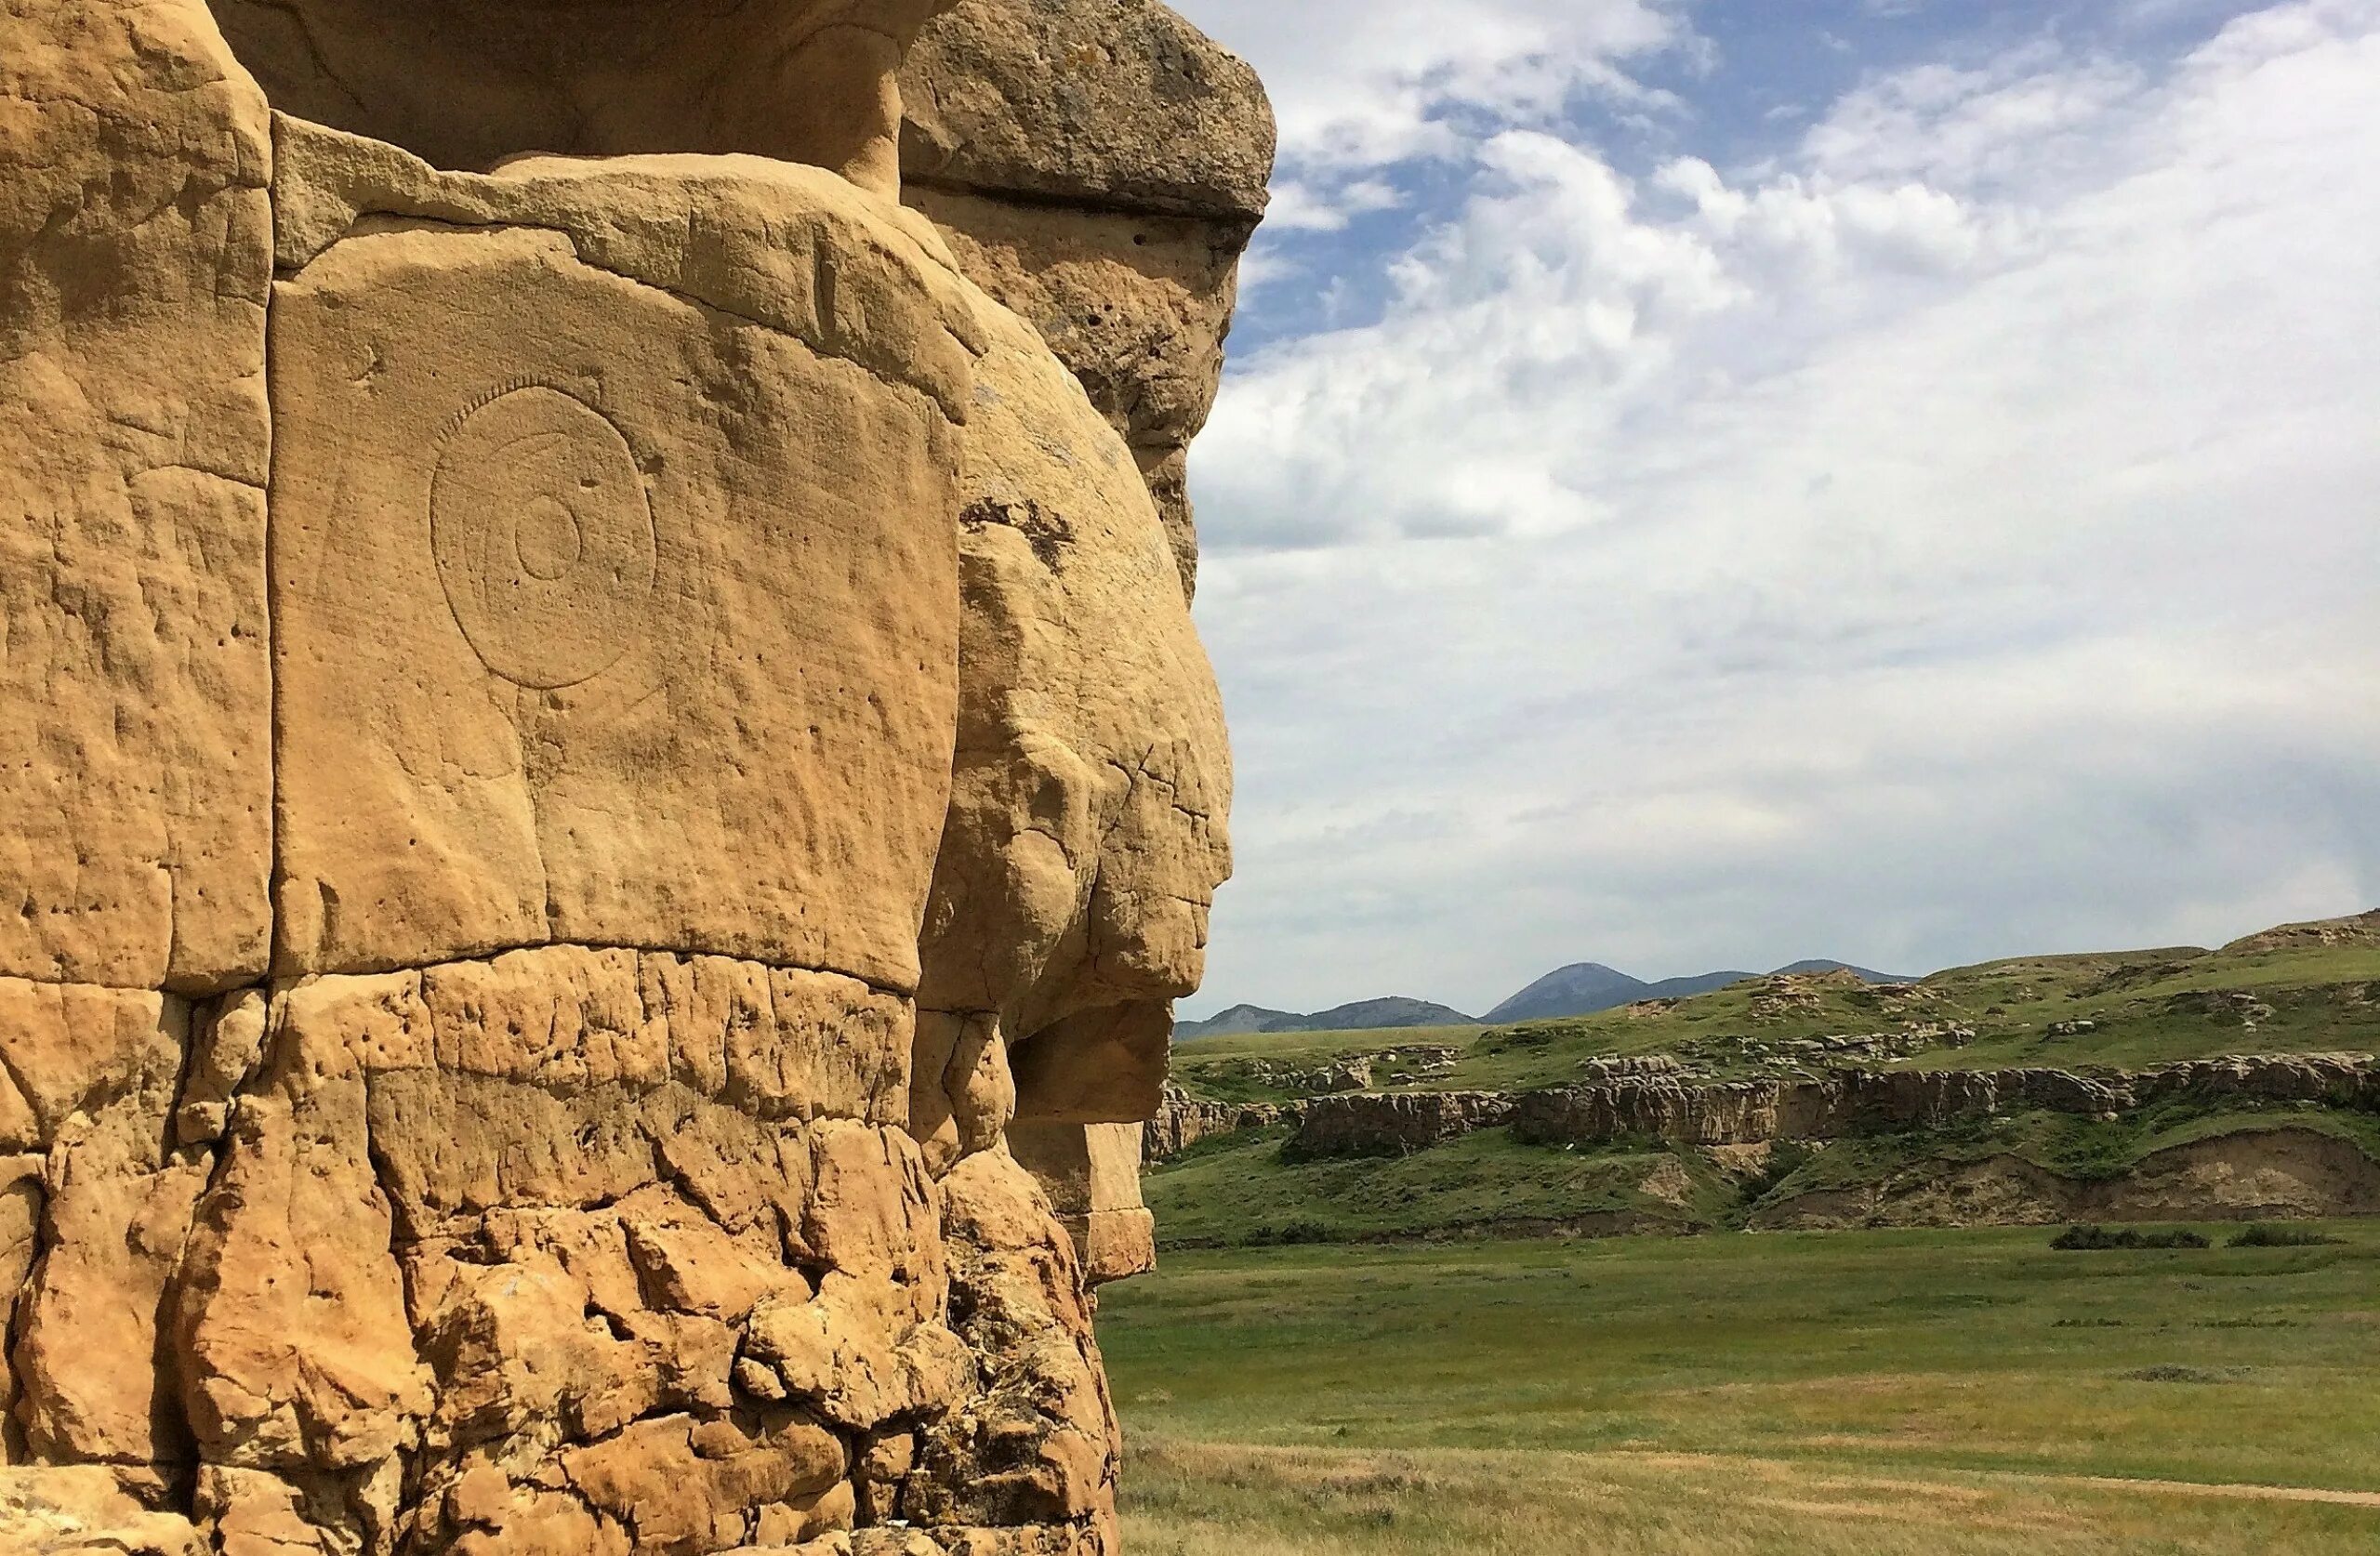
{"points": [[600, 840]]}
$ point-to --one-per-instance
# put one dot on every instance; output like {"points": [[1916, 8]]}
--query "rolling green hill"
{"points": [[2298, 989]]}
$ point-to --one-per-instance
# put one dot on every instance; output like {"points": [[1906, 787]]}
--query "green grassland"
{"points": [[1875, 1393], [1238, 1189], [2280, 992]]}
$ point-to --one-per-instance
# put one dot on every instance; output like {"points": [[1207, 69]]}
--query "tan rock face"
{"points": [[1120, 103], [1099, 168], [1084, 843], [556, 830], [1092, 1174], [135, 257], [645, 481]]}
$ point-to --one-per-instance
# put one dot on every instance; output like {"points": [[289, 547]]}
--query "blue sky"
{"points": [[1708, 484]]}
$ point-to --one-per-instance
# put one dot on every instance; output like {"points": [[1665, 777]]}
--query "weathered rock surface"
{"points": [[1752, 1112], [525, 1061], [84, 1511], [1082, 847], [1099, 168], [1392, 1124], [1118, 103], [1093, 1173], [1182, 1121], [1657, 1104], [466, 86], [691, 577], [134, 255]]}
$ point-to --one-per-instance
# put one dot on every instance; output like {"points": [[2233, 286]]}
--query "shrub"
{"points": [[2169, 1373], [1288, 1235], [2098, 1238], [2262, 1235], [1785, 1158]]}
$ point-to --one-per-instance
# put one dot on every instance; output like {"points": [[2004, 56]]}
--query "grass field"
{"points": [[1237, 1189], [1872, 1393]]}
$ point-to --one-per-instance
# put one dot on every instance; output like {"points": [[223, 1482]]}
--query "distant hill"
{"points": [[1237, 1020], [2363, 929], [2303, 989], [1365, 1015], [1863, 974], [1584, 988]]}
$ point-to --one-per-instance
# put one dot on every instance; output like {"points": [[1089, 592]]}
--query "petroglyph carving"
{"points": [[543, 539]]}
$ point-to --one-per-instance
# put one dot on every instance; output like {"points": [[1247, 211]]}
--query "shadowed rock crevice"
{"points": [[466, 86]]}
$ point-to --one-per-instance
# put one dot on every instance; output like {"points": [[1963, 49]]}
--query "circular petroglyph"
{"points": [[543, 537]]}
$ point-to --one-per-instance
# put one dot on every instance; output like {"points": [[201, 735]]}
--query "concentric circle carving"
{"points": [[543, 537]]}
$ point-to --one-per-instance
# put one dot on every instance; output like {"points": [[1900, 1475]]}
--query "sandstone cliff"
{"points": [[1756, 1111], [559, 816], [2242, 1138]]}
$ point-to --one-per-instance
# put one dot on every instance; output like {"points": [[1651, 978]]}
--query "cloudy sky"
{"points": [[1707, 482]]}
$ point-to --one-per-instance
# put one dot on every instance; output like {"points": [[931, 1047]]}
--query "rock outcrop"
{"points": [[1393, 1123], [1751, 1112], [1099, 167], [1182, 1121], [1657, 1104], [2273, 1173], [600, 842]]}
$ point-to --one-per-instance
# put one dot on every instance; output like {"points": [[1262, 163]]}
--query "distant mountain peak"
{"points": [[1364, 1015], [1823, 964], [1584, 988]]}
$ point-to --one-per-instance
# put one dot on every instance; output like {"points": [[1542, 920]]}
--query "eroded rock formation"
{"points": [[1749, 1113], [593, 727], [1098, 168], [1393, 1123], [1182, 1121], [1652, 1104]]}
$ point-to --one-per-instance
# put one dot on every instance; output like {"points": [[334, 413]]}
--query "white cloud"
{"points": [[2027, 119], [1364, 84], [1300, 207], [1959, 539]]}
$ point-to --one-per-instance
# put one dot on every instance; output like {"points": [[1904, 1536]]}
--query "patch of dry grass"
{"points": [[1222, 1499]]}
